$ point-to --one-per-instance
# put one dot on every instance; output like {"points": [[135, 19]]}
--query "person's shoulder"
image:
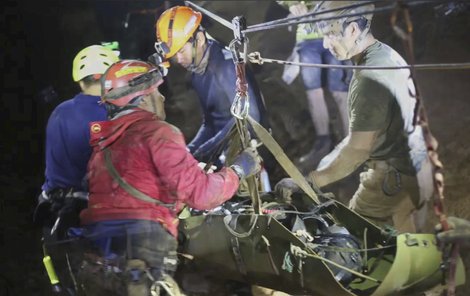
{"points": [[381, 54], [68, 103], [159, 130], [77, 101], [168, 127], [219, 52], [158, 127], [64, 107]]}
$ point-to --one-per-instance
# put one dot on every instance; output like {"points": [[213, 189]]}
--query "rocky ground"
{"points": [[445, 95]]}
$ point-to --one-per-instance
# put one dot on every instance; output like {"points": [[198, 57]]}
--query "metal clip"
{"points": [[238, 50], [240, 41], [239, 24], [240, 106], [56, 225]]}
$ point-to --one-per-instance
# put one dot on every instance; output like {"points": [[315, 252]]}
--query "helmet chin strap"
{"points": [[193, 66]]}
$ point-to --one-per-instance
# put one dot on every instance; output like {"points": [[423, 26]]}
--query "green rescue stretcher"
{"points": [[307, 249]]}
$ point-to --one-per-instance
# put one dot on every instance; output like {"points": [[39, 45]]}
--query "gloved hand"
{"points": [[459, 231], [247, 163], [285, 188]]}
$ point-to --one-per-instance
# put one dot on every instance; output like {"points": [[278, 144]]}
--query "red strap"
{"points": [[421, 118], [242, 85]]}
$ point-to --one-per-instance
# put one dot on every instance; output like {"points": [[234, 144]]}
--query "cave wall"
{"points": [[42, 37]]}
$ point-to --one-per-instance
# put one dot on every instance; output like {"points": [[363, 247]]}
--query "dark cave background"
{"points": [[40, 39]]}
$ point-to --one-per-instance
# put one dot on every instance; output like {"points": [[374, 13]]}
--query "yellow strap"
{"points": [[282, 159]]}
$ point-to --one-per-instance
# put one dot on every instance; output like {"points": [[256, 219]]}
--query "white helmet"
{"points": [[94, 59]]}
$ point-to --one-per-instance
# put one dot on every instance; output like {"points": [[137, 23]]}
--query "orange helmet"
{"points": [[128, 79], [175, 27]]}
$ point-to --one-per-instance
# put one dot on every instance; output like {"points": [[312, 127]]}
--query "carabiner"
{"points": [[240, 106]]}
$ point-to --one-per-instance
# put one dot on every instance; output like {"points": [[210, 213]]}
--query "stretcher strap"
{"points": [[282, 159]]}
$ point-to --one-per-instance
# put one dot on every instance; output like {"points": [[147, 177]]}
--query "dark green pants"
{"points": [[135, 253]]}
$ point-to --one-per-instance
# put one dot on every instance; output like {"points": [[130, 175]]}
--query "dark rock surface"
{"points": [[40, 39]]}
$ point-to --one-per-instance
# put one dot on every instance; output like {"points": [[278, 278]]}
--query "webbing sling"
{"points": [[126, 186], [282, 159]]}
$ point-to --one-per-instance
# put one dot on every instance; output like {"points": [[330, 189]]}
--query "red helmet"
{"points": [[128, 79]]}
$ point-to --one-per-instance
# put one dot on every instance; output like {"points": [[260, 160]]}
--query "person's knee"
{"points": [[340, 97]]}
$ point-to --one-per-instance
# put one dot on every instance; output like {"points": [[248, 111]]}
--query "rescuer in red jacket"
{"points": [[141, 175]]}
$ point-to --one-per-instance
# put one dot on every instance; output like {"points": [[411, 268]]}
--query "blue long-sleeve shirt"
{"points": [[67, 142], [216, 90]]}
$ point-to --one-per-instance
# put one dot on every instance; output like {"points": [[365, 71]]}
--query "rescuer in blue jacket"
{"points": [[213, 76], [67, 134]]}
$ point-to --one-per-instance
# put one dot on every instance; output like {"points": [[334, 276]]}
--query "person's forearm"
{"points": [[347, 161]]}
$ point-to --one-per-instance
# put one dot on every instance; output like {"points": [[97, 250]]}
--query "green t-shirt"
{"points": [[380, 100]]}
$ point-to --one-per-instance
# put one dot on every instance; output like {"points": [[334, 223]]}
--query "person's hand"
{"points": [[459, 231], [298, 9], [247, 163], [285, 188], [203, 165]]}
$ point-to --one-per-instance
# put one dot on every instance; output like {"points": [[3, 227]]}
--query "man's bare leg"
{"points": [[341, 99], [321, 121]]}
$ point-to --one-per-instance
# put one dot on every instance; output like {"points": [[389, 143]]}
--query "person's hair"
{"points": [[90, 80], [361, 23]]}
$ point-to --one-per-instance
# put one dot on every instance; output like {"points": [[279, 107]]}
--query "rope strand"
{"points": [[255, 58]]}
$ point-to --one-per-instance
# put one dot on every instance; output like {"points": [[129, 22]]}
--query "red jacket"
{"points": [[150, 155]]}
